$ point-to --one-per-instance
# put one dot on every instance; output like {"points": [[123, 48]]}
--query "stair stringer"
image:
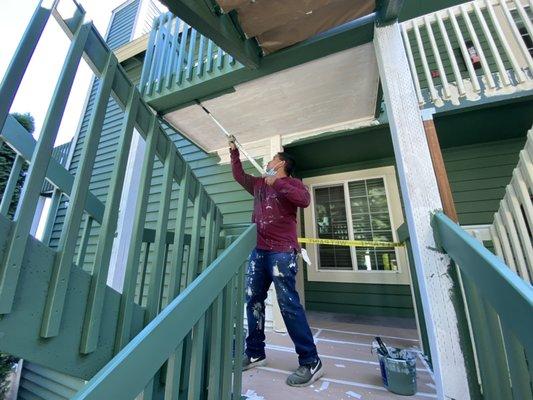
{"points": [[19, 330]]}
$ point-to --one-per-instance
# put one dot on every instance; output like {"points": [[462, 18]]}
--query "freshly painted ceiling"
{"points": [[332, 91]]}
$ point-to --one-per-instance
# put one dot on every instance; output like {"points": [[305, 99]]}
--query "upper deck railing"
{"points": [[178, 56], [475, 50]]}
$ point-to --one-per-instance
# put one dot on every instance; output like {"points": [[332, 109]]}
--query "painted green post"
{"points": [[132, 265], [164, 57], [220, 58], [149, 56], [104, 247], [173, 54], [21, 58], [11, 185], [194, 255], [237, 365], [67, 244], [227, 338], [192, 268], [160, 245], [51, 218], [179, 233], [181, 53], [210, 55], [143, 273], [198, 334], [201, 56], [153, 52], [37, 170], [173, 377], [80, 259], [190, 57], [215, 346]]}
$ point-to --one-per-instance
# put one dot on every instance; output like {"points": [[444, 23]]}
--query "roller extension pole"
{"points": [[230, 136]]}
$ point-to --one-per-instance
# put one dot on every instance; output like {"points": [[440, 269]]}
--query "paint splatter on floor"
{"points": [[354, 395], [323, 387], [252, 395]]}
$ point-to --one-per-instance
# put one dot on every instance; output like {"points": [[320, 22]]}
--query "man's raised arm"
{"points": [[246, 181]]}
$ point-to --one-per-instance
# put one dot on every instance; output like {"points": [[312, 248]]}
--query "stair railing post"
{"points": [[100, 268]]}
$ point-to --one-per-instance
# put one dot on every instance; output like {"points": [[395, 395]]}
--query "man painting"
{"points": [[277, 197]]}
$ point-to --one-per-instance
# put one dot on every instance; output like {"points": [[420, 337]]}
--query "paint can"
{"points": [[398, 370]]}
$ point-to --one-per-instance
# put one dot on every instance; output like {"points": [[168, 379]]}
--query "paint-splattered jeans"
{"points": [[264, 268]]}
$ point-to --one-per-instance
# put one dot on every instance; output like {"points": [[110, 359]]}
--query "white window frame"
{"points": [[388, 174]]}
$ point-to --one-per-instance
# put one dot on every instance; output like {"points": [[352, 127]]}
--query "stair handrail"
{"points": [[499, 309], [131, 370]]}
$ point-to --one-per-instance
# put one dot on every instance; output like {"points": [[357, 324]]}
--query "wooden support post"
{"points": [[443, 184], [439, 294]]}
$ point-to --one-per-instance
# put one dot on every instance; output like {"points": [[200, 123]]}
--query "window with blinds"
{"points": [[355, 210], [332, 223]]}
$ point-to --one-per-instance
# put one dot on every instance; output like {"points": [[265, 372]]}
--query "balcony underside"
{"points": [[337, 91]]}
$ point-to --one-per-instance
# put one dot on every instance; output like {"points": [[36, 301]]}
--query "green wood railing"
{"points": [[214, 298], [205, 297], [178, 56], [499, 306]]}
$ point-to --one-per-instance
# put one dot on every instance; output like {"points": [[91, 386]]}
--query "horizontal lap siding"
{"points": [[478, 176], [358, 298]]}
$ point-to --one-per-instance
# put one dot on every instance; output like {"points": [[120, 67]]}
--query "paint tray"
{"points": [[398, 370]]}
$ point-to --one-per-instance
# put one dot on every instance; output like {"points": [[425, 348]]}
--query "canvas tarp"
{"points": [[280, 23]]}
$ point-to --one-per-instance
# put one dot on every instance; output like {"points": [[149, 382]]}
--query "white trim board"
{"points": [[400, 277]]}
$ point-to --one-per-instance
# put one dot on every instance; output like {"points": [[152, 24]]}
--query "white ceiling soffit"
{"points": [[334, 90]]}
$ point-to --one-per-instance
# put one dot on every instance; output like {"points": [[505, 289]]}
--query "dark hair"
{"points": [[290, 163]]}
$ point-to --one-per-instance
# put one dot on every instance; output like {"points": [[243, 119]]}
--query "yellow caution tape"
{"points": [[352, 243]]}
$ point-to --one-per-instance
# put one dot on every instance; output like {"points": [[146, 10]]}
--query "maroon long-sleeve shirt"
{"points": [[274, 207]]}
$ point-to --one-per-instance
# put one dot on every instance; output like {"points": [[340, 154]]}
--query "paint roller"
{"points": [[232, 138]]}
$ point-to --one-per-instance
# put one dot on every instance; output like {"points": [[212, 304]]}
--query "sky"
{"points": [[40, 79]]}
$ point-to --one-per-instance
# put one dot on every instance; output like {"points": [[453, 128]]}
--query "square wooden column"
{"points": [[438, 291]]}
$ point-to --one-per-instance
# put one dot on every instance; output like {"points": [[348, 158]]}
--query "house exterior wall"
{"points": [[474, 206], [478, 174]]}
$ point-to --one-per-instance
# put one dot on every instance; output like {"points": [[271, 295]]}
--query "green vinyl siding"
{"points": [[122, 25], [478, 176]]}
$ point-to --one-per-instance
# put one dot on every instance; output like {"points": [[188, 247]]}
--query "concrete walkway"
{"points": [[344, 345]]}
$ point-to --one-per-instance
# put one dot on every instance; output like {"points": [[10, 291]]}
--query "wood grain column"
{"points": [[443, 184]]}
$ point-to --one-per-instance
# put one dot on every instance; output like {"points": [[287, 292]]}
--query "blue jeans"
{"points": [[264, 268]]}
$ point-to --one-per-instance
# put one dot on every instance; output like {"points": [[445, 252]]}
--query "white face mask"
{"points": [[270, 172]]}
